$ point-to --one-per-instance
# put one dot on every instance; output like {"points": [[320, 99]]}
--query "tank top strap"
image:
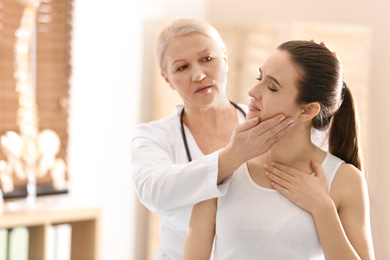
{"points": [[331, 165]]}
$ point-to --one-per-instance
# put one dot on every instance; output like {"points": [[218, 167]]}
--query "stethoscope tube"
{"points": [[183, 134]]}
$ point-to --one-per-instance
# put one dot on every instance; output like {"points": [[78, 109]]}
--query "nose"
{"points": [[197, 73], [255, 91]]}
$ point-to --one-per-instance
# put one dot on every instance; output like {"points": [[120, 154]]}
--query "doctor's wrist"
{"points": [[228, 162]]}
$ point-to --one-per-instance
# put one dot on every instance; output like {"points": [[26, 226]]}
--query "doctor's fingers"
{"points": [[270, 131], [249, 124], [327, 46], [260, 144], [253, 128]]}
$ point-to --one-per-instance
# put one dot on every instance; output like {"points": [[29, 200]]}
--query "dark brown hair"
{"points": [[321, 80]]}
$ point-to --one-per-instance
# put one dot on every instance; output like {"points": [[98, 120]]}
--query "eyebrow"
{"points": [[272, 78], [176, 61], [199, 53]]}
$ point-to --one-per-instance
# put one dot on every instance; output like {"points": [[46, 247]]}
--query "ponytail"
{"points": [[344, 133], [321, 75]]}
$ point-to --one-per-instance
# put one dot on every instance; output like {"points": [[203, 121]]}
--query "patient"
{"points": [[272, 211]]}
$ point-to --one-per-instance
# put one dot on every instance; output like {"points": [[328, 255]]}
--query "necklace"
{"points": [[183, 134]]}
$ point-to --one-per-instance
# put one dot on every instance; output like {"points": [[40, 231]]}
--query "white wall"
{"points": [[103, 100], [106, 87]]}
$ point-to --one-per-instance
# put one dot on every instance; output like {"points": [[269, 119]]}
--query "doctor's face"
{"points": [[276, 90], [196, 69]]}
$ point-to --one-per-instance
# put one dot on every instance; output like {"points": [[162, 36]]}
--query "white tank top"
{"points": [[259, 223]]}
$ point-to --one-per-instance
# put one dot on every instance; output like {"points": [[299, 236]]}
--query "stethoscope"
{"points": [[183, 134]]}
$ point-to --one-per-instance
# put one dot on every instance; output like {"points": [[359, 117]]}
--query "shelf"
{"points": [[84, 221]]}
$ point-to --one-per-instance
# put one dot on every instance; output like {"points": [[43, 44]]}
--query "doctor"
{"points": [[188, 156]]}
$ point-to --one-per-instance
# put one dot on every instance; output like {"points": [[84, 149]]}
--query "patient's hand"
{"points": [[309, 192]]}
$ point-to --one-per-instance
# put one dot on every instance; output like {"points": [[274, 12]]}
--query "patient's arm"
{"points": [[201, 231]]}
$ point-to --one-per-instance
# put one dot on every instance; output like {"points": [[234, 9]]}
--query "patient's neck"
{"points": [[295, 150]]}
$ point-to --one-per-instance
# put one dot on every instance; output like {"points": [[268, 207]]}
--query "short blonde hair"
{"points": [[185, 26]]}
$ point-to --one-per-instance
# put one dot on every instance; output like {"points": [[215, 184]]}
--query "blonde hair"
{"points": [[185, 26]]}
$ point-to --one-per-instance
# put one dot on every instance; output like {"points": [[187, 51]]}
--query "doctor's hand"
{"points": [[249, 140], [309, 192], [327, 46]]}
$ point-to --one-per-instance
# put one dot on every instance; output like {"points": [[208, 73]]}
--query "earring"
{"points": [[301, 117]]}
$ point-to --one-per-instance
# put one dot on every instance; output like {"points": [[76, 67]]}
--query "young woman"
{"points": [[276, 207], [187, 156]]}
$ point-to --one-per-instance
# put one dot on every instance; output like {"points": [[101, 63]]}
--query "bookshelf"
{"points": [[84, 222]]}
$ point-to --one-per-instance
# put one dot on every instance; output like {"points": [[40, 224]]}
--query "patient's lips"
{"points": [[253, 107]]}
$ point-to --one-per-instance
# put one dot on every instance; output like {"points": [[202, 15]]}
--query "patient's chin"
{"points": [[250, 116]]}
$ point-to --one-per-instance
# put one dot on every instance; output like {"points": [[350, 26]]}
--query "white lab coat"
{"points": [[167, 184]]}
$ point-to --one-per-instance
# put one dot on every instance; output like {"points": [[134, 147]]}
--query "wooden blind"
{"points": [[53, 69]]}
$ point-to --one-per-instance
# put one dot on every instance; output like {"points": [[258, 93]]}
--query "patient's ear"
{"points": [[310, 111]]}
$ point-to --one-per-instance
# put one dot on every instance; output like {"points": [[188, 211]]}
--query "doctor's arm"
{"points": [[165, 187]]}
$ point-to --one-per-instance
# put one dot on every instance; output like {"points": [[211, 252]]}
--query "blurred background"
{"points": [[115, 83], [114, 72]]}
